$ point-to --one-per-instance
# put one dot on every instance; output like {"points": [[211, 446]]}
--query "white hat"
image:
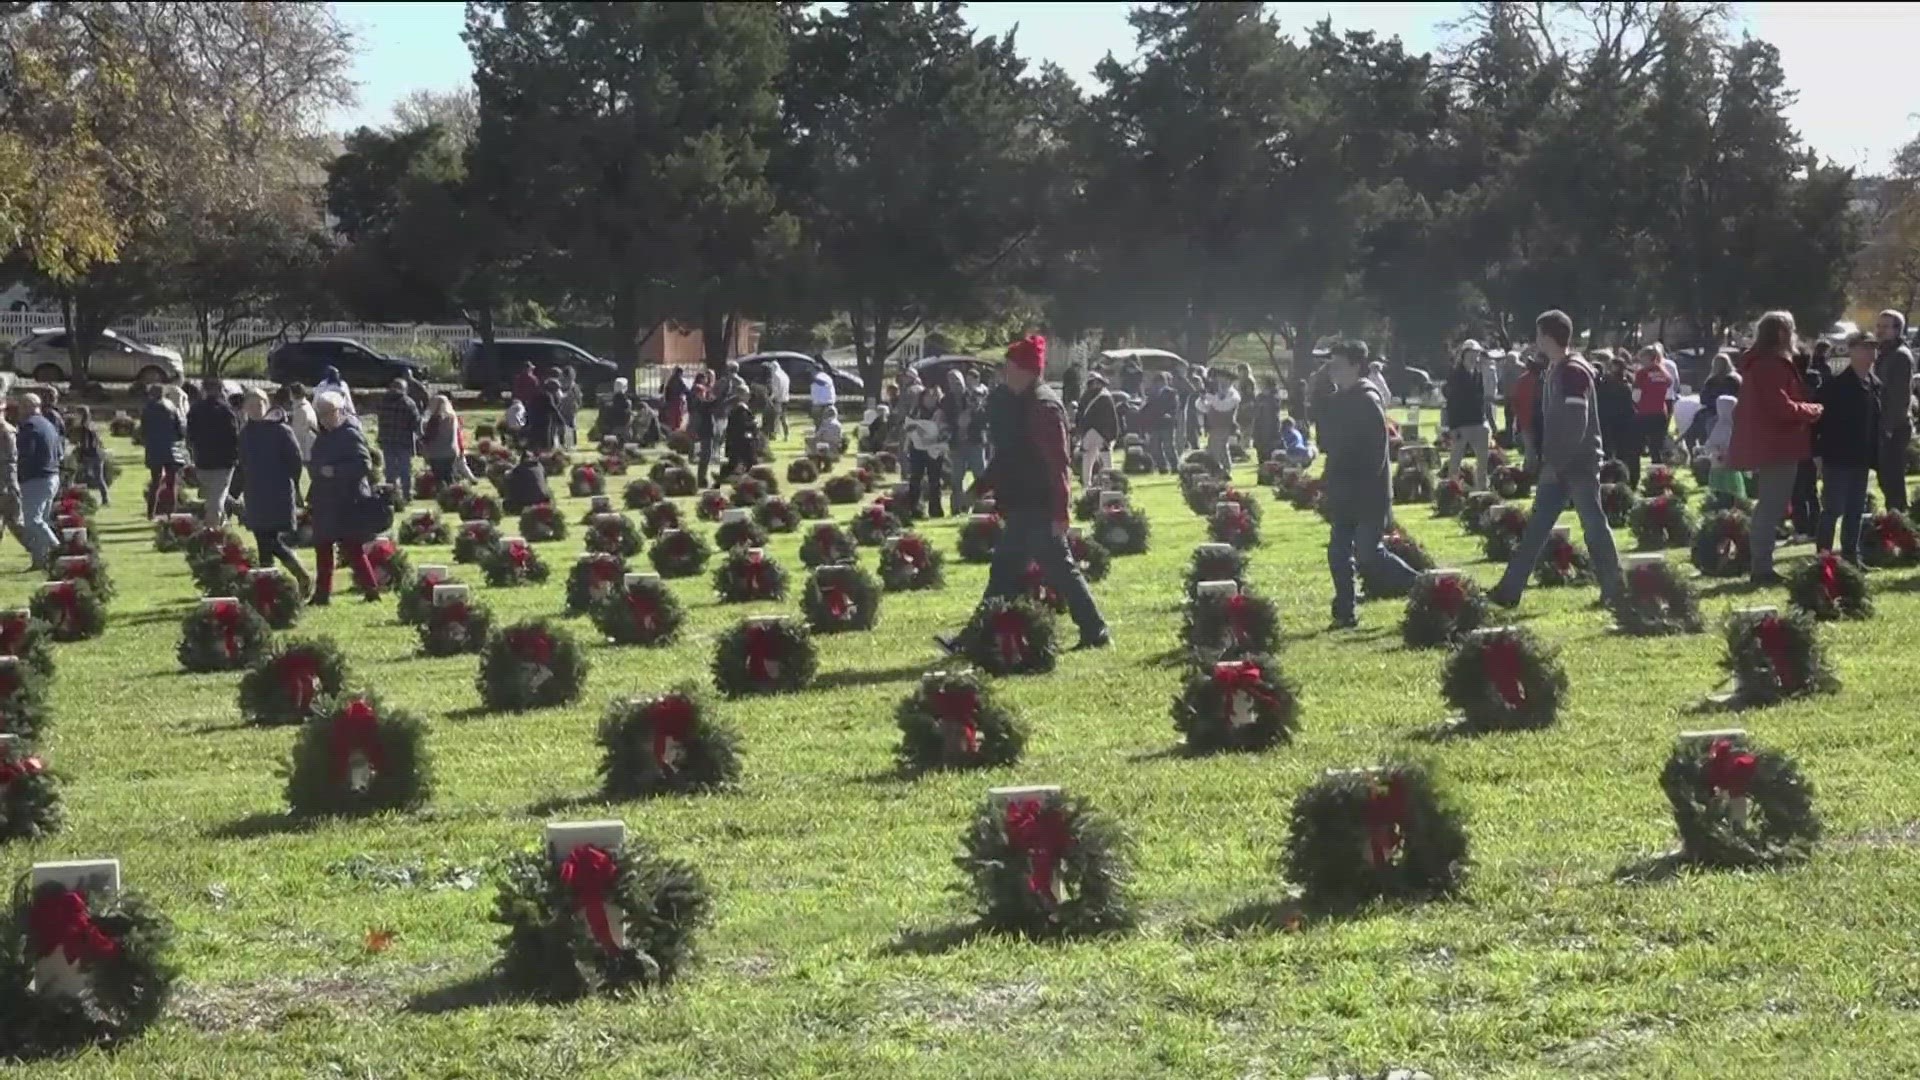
{"points": [[1469, 345]]}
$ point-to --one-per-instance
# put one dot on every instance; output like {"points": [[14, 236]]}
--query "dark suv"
{"points": [[303, 361], [495, 375]]}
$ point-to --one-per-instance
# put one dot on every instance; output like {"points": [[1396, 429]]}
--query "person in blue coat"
{"points": [[39, 450], [269, 475], [163, 434], [346, 512]]}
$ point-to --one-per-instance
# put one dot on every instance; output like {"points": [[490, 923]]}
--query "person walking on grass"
{"points": [[1359, 492], [399, 435], [89, 455], [38, 453], [1893, 366], [1221, 410], [1846, 443], [346, 513], [213, 434], [163, 435], [443, 441], [1651, 387], [1569, 460], [1466, 412], [270, 467], [1099, 426], [1772, 432], [1028, 478]]}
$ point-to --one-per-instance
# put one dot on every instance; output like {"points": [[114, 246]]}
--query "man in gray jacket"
{"points": [[1894, 368], [1569, 465], [1358, 493]]}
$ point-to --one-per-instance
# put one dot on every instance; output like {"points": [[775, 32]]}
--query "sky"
{"points": [[1857, 101]]}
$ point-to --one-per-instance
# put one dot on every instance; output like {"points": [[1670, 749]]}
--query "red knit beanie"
{"points": [[1029, 352]]}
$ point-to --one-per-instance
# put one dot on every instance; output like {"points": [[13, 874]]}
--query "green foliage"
{"points": [[1767, 821], [765, 656], [320, 776], [1504, 679], [665, 744], [531, 664], [1088, 879], [131, 988], [290, 680], [1240, 704], [952, 720], [1331, 850]]}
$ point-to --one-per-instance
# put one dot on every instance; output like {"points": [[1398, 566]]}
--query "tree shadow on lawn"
{"points": [[163, 613], [254, 826]]}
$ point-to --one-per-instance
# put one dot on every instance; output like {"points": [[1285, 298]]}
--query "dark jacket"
{"points": [[526, 487], [1847, 435], [1162, 409], [1717, 387], [399, 423], [1266, 421], [1893, 366], [341, 494], [1097, 414], [269, 467], [160, 434], [1028, 470], [213, 432], [543, 422], [743, 438], [1616, 408], [38, 448], [1466, 394], [1353, 436], [617, 413]]}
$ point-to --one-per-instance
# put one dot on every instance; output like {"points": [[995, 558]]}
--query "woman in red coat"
{"points": [[1772, 431]]}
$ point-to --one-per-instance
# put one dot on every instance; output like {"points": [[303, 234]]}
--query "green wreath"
{"points": [[843, 490], [555, 462], [765, 656], [480, 506], [272, 594], [1474, 511], [23, 701], [1412, 485], [678, 483], [1268, 474], [614, 535], [1661, 480], [1450, 497], [172, 532], [541, 523], [712, 503], [1773, 656], [1137, 461], [1618, 502], [639, 613], [643, 493], [1658, 601], [1511, 482], [827, 544], [1721, 547], [840, 597], [1362, 834], [679, 553], [1123, 530], [222, 635], [979, 536], [1086, 504], [1244, 623], [513, 561], [867, 477], [585, 480], [424, 527], [593, 575], [1231, 524], [1091, 556], [1199, 490], [1500, 534], [1562, 563], [78, 542], [749, 490], [1614, 471], [416, 594], [452, 496], [748, 575], [660, 518], [811, 505], [1239, 704], [455, 627], [1504, 679], [738, 533], [1309, 494], [220, 571], [673, 459], [29, 798], [1011, 637], [1660, 522], [1726, 500], [802, 471], [1888, 539], [665, 744], [357, 756], [1046, 865], [71, 610], [1739, 807], [873, 524], [85, 568], [289, 679], [612, 462], [908, 563], [952, 721], [122, 944], [531, 665], [474, 540], [1440, 610], [28, 638], [775, 515], [426, 485], [1829, 587], [1215, 562]]}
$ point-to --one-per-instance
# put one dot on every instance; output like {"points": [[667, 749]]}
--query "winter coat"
{"points": [[1847, 435], [399, 424], [543, 422], [1569, 430], [1353, 436], [269, 467], [341, 497], [161, 434], [1028, 470], [38, 448], [1097, 414], [1893, 366], [1773, 422], [526, 487], [742, 440], [213, 433], [1466, 394], [443, 439]]}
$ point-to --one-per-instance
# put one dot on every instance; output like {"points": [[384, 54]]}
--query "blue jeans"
{"points": [[1028, 536], [1549, 499], [397, 467], [967, 461], [36, 499], [1843, 501], [93, 473], [1163, 447], [1349, 539]]}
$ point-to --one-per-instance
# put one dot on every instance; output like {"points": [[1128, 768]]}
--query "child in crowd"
{"points": [[91, 456], [1721, 477]]}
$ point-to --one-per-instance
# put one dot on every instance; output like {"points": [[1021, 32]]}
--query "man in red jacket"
{"points": [[1028, 477]]}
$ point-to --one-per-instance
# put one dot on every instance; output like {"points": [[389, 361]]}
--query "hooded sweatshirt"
{"points": [[1720, 439]]}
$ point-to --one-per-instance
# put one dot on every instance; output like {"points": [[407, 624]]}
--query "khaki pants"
{"points": [[1476, 437]]}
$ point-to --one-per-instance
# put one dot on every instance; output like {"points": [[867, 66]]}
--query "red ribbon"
{"points": [[589, 873], [13, 631], [1645, 582], [226, 616], [533, 646], [27, 766], [959, 708], [380, 554], [1563, 556], [1500, 659], [644, 610], [1829, 575], [1895, 533], [839, 603], [59, 922], [1010, 633], [76, 570], [1232, 677], [603, 571], [763, 648], [264, 590], [1040, 832], [68, 597], [1729, 771], [672, 720], [1776, 643], [232, 554], [587, 475], [755, 572], [518, 554], [300, 678], [356, 730], [912, 549], [1239, 617], [181, 527], [1386, 817], [1449, 595]]}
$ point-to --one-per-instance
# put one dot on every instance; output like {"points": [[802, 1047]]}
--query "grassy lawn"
{"points": [[839, 949]]}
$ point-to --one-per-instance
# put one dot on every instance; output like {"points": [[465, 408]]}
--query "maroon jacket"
{"points": [[1773, 423]]}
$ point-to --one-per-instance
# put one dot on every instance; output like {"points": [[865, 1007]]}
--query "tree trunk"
{"points": [[1199, 340], [882, 327], [203, 321], [627, 339], [713, 337]]}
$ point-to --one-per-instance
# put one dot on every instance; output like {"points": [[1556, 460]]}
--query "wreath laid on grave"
{"points": [[424, 527], [979, 536], [426, 485], [85, 568], [1238, 704], [825, 544], [1659, 522], [71, 610], [1390, 831], [775, 515], [867, 478], [873, 524], [1726, 500], [172, 532], [1504, 679], [1563, 563], [1661, 480], [389, 563], [1086, 504], [1047, 864], [23, 702], [357, 756], [741, 532], [748, 575], [615, 535], [585, 480], [1450, 497], [77, 541], [1721, 546], [560, 917], [1440, 610], [677, 482], [1511, 482], [474, 540], [1829, 587], [1287, 483], [1268, 474], [711, 504], [1412, 485], [1199, 490], [555, 462], [513, 561], [28, 637], [416, 596], [1113, 480], [480, 506], [1011, 637], [659, 518], [223, 634], [680, 442], [1888, 539], [1244, 623], [843, 490], [530, 665], [120, 942], [1123, 530], [642, 493], [1231, 524], [666, 744], [592, 577], [1216, 562], [639, 613], [811, 505], [29, 798], [541, 523], [1200, 461], [1500, 534], [289, 679], [1036, 587], [749, 490], [1658, 601], [455, 627], [452, 496], [1618, 502], [274, 596], [220, 571], [679, 553], [1474, 511], [1775, 656], [674, 458], [613, 462], [952, 721], [908, 563], [1614, 471], [1738, 807], [802, 471], [1137, 462], [1091, 556], [765, 656], [840, 598]]}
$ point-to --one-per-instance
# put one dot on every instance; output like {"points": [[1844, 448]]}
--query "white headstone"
{"points": [[432, 573], [73, 535], [565, 836], [475, 525], [259, 572], [1713, 736], [1484, 632], [1563, 532], [74, 562], [211, 603], [756, 553], [1216, 588], [985, 506], [444, 595], [513, 541], [642, 581], [53, 974], [1651, 558], [382, 538], [733, 515], [1111, 499], [666, 534], [1756, 612], [1442, 573], [1001, 796], [600, 519], [982, 519], [632, 449], [1216, 551]]}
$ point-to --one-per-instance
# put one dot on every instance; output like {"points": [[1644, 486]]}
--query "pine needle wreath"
{"points": [[1721, 548], [1123, 530], [674, 458], [1202, 463], [776, 515], [1363, 834], [979, 536], [711, 504], [1511, 482], [643, 493], [908, 563], [1308, 494], [1269, 472], [474, 540], [1086, 504], [1239, 704], [1658, 601], [1888, 539], [426, 485], [551, 947], [1662, 480], [1450, 497], [1726, 500], [1501, 531], [887, 462], [660, 518], [1474, 511], [71, 610], [669, 744], [220, 571], [639, 613], [612, 463], [811, 505], [555, 462], [1091, 556], [866, 477], [1660, 522], [29, 799], [1200, 491], [1137, 461], [749, 575], [1614, 471], [749, 490], [23, 702], [455, 627], [28, 638], [391, 566], [1412, 485], [765, 656], [1011, 637], [1215, 562], [480, 506], [1618, 501], [678, 483], [952, 721], [513, 561], [452, 496], [531, 665], [424, 527], [873, 524], [843, 490], [541, 523], [1440, 610], [1774, 656], [272, 593], [1562, 563], [614, 534], [1829, 587], [357, 755], [1738, 807], [840, 598], [1215, 626], [1286, 483], [826, 543], [84, 568], [221, 635], [1231, 524], [289, 679], [124, 946], [78, 541], [1504, 679], [416, 595], [593, 576], [585, 480], [679, 553], [802, 471], [1047, 865], [740, 532], [172, 532]]}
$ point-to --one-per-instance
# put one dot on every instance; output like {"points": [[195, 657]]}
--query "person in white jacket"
{"points": [[928, 432], [1217, 412], [306, 427]]}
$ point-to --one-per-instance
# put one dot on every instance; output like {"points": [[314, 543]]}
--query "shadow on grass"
{"points": [[253, 826], [1255, 917], [849, 680], [475, 992], [1736, 586], [163, 614], [934, 940], [1172, 658], [561, 803], [1172, 752], [237, 725], [1651, 870]]}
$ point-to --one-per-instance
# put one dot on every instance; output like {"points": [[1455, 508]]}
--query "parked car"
{"points": [[495, 375], [932, 370], [800, 369], [1150, 360], [116, 357], [303, 361]]}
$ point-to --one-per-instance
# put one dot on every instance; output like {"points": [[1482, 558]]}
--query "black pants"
{"points": [[1803, 509], [1893, 468], [162, 478], [922, 466], [1653, 439], [273, 545], [705, 459]]}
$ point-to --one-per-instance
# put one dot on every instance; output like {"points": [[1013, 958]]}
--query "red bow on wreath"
{"points": [[877, 513], [1646, 583], [533, 646], [1386, 813], [912, 550], [68, 599], [13, 628], [672, 721], [643, 609], [1776, 642], [181, 527], [234, 555], [226, 616], [1231, 677], [824, 537], [1010, 634], [603, 571], [1830, 575], [589, 874], [1039, 832], [300, 677], [59, 922], [763, 651], [1729, 771], [754, 572], [356, 731], [1501, 661], [587, 475], [27, 766], [1895, 534], [519, 555], [839, 603], [264, 590], [1239, 609], [1449, 595], [1563, 555], [958, 710]]}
